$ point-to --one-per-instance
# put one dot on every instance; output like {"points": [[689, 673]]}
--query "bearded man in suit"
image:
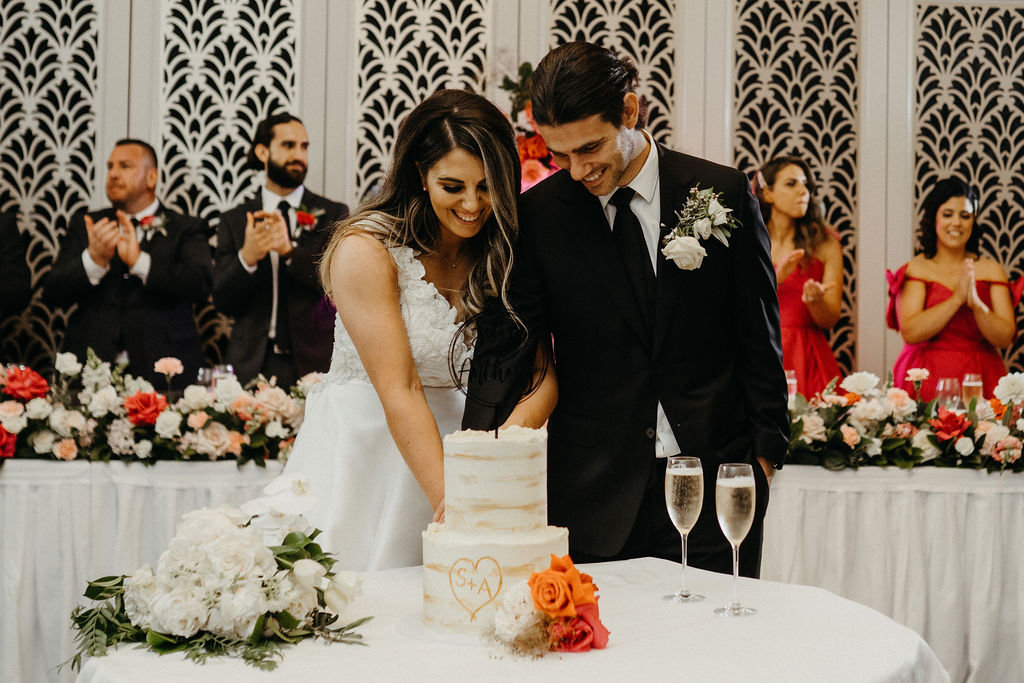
{"points": [[265, 276], [134, 270], [651, 359]]}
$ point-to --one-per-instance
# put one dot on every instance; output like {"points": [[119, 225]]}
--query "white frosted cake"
{"points": [[495, 532]]}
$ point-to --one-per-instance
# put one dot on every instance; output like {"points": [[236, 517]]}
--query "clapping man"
{"points": [[265, 276], [652, 356]]}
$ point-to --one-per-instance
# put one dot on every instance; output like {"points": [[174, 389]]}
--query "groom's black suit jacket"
{"points": [[713, 359], [150, 320], [248, 298]]}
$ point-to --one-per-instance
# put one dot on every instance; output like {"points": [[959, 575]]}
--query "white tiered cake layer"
{"points": [[464, 574], [496, 484]]}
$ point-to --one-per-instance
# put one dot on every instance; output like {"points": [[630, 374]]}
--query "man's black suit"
{"points": [[15, 279], [248, 298], [150, 320], [713, 359]]}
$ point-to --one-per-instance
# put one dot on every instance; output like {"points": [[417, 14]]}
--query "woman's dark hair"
{"points": [[942, 192], [264, 135], [811, 229], [400, 213], [580, 79]]}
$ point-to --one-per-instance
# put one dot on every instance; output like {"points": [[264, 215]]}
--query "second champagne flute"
{"points": [[684, 496], [734, 504]]}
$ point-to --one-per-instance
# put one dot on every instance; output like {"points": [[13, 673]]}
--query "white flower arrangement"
{"points": [[701, 217]]}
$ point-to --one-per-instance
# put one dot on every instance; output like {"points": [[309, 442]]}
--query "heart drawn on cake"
{"points": [[475, 584]]}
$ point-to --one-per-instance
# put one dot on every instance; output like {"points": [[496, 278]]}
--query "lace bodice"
{"points": [[430, 322]]}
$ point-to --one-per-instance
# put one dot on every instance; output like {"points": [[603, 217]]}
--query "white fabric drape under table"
{"points": [[939, 550], [64, 523], [800, 634]]}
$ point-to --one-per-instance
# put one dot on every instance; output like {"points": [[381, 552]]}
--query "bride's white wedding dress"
{"points": [[370, 507]]}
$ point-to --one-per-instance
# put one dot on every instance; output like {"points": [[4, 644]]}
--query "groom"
{"points": [[651, 359]]}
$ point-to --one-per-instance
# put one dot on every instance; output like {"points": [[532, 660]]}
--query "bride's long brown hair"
{"points": [[400, 214]]}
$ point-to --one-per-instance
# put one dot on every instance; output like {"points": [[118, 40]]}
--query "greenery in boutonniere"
{"points": [[701, 217]]}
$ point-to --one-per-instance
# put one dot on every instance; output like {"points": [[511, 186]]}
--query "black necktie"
{"points": [[282, 333], [636, 259]]}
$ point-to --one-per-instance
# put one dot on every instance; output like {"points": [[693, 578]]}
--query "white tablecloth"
{"points": [[62, 524], [938, 550], [800, 634]]}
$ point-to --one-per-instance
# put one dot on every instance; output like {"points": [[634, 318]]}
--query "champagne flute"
{"points": [[972, 388], [947, 392], [684, 495], [734, 503], [791, 385]]}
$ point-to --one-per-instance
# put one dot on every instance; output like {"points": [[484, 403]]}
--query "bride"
{"points": [[405, 272]]}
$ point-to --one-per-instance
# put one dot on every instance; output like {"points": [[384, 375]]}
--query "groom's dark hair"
{"points": [[580, 79]]}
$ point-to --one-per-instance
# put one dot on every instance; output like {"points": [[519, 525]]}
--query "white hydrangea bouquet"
{"points": [[701, 217], [238, 582]]}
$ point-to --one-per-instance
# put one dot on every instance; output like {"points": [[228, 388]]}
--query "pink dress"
{"points": [[804, 346], [959, 348]]}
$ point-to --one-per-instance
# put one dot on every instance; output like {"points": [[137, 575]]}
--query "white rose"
{"points": [[139, 591], [239, 608], [228, 389], [928, 449], [205, 525], [178, 612], [196, 397], [859, 382], [241, 554], [1010, 389], [42, 441], [1020, 424], [983, 411], [38, 409], [870, 409], [276, 430], [307, 573], [143, 449], [67, 364], [874, 446], [702, 228], [344, 587], [213, 440], [515, 614], [167, 424], [104, 401], [719, 214], [964, 446], [814, 428], [15, 423], [685, 251]]}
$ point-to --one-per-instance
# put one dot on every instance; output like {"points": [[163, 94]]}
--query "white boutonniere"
{"points": [[701, 217], [154, 224]]}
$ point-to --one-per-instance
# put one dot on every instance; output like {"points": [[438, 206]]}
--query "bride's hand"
{"points": [[439, 513]]}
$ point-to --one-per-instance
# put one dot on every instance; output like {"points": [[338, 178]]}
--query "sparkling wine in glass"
{"points": [[971, 388], [684, 495], [734, 504], [791, 385]]}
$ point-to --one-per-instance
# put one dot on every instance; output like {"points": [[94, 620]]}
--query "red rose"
{"points": [[535, 147], [588, 613], [148, 220], [143, 408], [25, 384], [572, 634], [949, 425], [7, 443], [305, 218], [522, 145]]}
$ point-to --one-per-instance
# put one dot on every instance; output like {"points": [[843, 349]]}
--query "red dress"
{"points": [[804, 346], [959, 348]]}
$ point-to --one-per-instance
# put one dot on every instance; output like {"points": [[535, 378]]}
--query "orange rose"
{"points": [[144, 408], [997, 407], [237, 439], [558, 590], [851, 398]]}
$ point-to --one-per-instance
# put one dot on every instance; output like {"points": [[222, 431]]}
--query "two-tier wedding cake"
{"points": [[495, 532]]}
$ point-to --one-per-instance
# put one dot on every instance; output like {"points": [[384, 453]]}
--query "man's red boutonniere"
{"points": [[157, 224], [307, 217]]}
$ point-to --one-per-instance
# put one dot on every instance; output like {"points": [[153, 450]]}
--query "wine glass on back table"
{"points": [[684, 495], [734, 503]]}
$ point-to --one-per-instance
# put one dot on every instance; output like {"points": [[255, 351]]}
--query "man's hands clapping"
{"points": [[104, 236], [265, 231]]}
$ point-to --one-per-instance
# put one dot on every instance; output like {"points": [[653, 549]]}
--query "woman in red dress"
{"points": [[808, 267], [952, 306]]}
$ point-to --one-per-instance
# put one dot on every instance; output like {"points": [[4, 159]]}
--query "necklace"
{"points": [[450, 263]]}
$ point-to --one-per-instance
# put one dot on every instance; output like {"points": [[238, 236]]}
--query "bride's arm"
{"points": [[535, 409], [364, 281]]}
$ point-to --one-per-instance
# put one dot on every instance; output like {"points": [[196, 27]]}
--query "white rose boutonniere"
{"points": [[701, 217]]}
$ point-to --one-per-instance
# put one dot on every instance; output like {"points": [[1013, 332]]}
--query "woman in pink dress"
{"points": [[953, 307], [809, 269]]}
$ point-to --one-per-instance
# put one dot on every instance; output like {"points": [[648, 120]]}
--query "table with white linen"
{"points": [[64, 523], [939, 550], [799, 634]]}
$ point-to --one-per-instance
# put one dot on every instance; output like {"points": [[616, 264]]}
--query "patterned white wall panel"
{"points": [[796, 92], [643, 31], [969, 113], [48, 52], [409, 49]]}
